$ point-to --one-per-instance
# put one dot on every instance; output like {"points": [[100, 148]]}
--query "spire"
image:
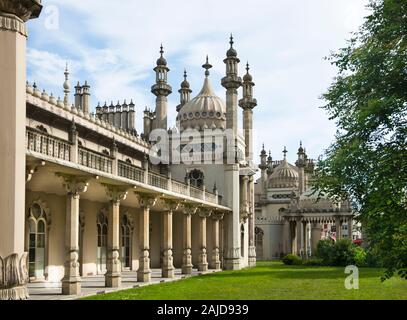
{"points": [[269, 158], [66, 85], [231, 52], [285, 153], [263, 151], [185, 92], [207, 66], [161, 60]]}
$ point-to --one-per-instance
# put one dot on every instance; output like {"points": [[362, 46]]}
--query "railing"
{"points": [[196, 193], [94, 160], [179, 187], [130, 172], [157, 181], [43, 143]]}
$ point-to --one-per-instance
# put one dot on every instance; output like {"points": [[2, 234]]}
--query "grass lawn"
{"points": [[270, 280]]}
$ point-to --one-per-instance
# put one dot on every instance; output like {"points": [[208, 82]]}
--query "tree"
{"points": [[367, 162]]}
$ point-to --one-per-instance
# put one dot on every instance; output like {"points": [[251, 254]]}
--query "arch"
{"points": [[38, 222]]}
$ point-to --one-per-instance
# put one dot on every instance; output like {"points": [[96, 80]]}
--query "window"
{"points": [[102, 241], [258, 239], [196, 178], [125, 242], [37, 233]]}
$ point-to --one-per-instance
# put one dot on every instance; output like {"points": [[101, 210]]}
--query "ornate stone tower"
{"points": [[161, 89], [301, 164], [13, 37], [247, 103], [231, 83], [184, 92]]}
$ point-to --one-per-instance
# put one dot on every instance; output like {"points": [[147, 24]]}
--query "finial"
{"points": [[300, 143], [66, 85], [185, 74], [231, 40], [263, 146], [285, 152], [207, 66], [247, 67], [161, 49]]}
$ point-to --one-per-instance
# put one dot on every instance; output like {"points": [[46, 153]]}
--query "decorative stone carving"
{"points": [[12, 23], [204, 212], [170, 205], [116, 193], [14, 277], [189, 208], [216, 215], [147, 200], [73, 184], [24, 9]]}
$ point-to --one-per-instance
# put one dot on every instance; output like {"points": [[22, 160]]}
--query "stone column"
{"points": [[146, 202], [350, 228], [287, 237], [338, 226], [252, 244], [215, 261], [315, 237], [188, 211], [203, 263], [298, 236], [168, 264], [113, 276], [13, 37], [293, 237], [74, 185], [304, 240]]}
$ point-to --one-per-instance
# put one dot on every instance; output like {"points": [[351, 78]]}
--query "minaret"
{"points": [[184, 92], [263, 168], [146, 123], [232, 195], [125, 114], [78, 96], [270, 164], [161, 89], [111, 114], [247, 103], [301, 163], [105, 112], [118, 115], [85, 98], [13, 40], [66, 86], [231, 83], [131, 121]]}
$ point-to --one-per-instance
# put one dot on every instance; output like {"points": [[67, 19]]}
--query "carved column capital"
{"points": [[23, 9], [74, 185], [171, 205], [147, 200], [189, 208], [115, 193], [204, 212], [216, 215]]}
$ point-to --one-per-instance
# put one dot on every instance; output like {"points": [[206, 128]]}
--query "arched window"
{"points": [[102, 241], [125, 242], [196, 177], [258, 239], [37, 240], [242, 240]]}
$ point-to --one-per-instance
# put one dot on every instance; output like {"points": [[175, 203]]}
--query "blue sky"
{"points": [[114, 45]]}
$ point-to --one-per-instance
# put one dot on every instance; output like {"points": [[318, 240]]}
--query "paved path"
{"points": [[92, 285]]}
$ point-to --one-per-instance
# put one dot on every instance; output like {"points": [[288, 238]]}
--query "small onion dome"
{"points": [[285, 175], [185, 83], [263, 152], [231, 52], [161, 60], [247, 77], [300, 149]]}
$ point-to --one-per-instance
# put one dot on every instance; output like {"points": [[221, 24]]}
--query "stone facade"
{"points": [[289, 216], [81, 195]]}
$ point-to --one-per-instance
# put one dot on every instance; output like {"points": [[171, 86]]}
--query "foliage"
{"points": [[325, 250], [359, 255], [313, 262], [292, 259], [343, 253], [367, 162]]}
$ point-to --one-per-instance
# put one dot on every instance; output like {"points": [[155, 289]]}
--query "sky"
{"points": [[114, 45]]}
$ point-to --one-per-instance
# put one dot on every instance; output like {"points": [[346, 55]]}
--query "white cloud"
{"points": [[114, 45]]}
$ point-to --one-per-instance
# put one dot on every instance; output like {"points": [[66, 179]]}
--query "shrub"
{"points": [[343, 253], [292, 259], [325, 251], [360, 256]]}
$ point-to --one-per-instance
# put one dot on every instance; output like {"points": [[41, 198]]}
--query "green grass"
{"points": [[270, 280]]}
